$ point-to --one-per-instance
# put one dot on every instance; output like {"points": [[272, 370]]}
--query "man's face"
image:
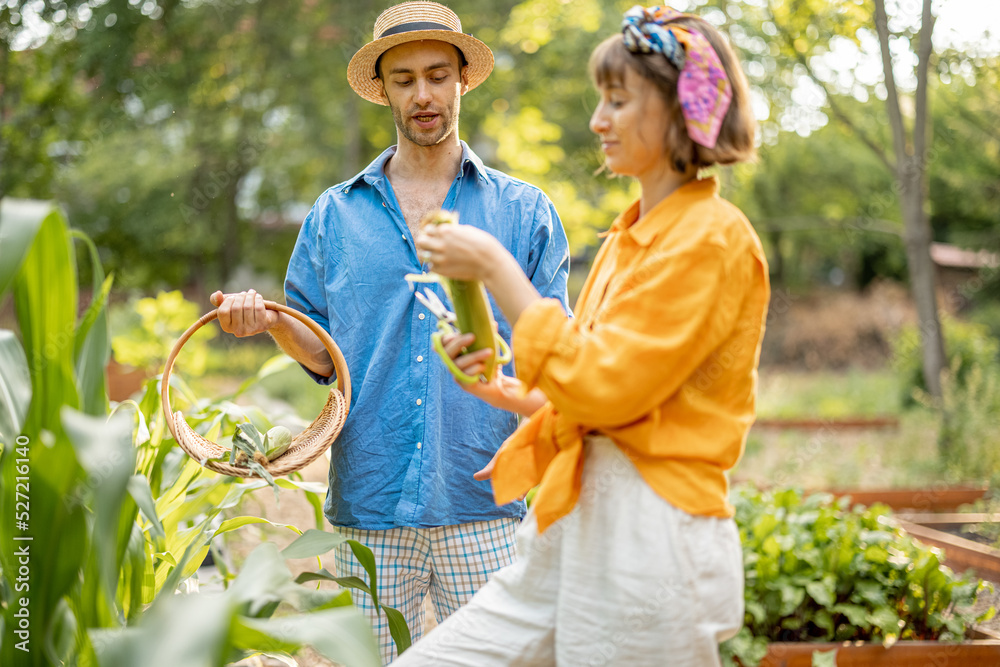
{"points": [[423, 83]]}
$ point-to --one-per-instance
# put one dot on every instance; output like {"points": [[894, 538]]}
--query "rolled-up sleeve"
{"points": [[305, 280], [656, 326]]}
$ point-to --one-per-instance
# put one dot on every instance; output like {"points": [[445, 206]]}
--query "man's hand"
{"points": [[243, 314]]}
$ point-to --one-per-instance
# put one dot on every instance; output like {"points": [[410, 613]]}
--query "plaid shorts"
{"points": [[450, 562]]}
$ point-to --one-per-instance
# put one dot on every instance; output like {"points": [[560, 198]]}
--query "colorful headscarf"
{"points": [[703, 89]]}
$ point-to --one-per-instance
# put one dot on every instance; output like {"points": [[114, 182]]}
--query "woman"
{"points": [[639, 405]]}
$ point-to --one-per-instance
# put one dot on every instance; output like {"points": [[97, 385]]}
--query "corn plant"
{"points": [[102, 517]]}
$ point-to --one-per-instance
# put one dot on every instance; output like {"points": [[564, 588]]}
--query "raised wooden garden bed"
{"points": [[976, 653], [832, 424], [932, 499], [959, 553]]}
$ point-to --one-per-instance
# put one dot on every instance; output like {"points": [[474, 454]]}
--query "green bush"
{"points": [[988, 315], [968, 441], [967, 345], [817, 570], [146, 329]]}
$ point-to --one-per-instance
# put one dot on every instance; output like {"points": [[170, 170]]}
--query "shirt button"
{"points": [[419, 401], [420, 358], [419, 445], [420, 316], [383, 204], [404, 236]]}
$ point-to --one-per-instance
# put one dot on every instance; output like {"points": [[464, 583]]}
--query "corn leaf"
{"points": [[398, 630], [92, 348], [313, 543], [341, 635], [19, 222], [15, 387], [45, 295], [138, 488], [104, 449]]}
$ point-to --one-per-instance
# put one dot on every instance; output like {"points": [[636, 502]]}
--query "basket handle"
{"points": [[339, 363]]}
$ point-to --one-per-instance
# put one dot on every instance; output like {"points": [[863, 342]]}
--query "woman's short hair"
{"points": [[735, 143]]}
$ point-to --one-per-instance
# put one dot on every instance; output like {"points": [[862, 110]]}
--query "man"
{"points": [[401, 473]]}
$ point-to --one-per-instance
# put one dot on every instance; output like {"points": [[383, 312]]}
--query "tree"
{"points": [[797, 36], [910, 169]]}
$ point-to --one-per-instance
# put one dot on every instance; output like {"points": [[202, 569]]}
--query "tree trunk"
{"points": [[911, 167], [777, 264], [923, 281]]}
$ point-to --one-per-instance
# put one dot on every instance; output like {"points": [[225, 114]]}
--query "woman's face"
{"points": [[631, 121]]}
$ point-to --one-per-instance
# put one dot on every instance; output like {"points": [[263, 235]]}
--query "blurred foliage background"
{"points": [[189, 137]]}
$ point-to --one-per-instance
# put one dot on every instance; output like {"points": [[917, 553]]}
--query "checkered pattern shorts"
{"points": [[449, 562]]}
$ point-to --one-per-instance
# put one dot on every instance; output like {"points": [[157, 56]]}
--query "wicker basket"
{"points": [[306, 446]]}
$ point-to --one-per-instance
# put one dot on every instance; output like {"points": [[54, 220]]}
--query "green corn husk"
{"points": [[276, 442], [473, 313], [249, 443]]}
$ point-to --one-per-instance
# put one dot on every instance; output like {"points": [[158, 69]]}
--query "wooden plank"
{"points": [[940, 499], [959, 553], [902, 654], [832, 424], [949, 520]]}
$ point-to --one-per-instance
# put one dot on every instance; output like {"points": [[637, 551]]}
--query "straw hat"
{"points": [[410, 22]]}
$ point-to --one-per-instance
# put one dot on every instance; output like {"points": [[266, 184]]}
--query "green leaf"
{"points": [[398, 629], [791, 597], [93, 351], [365, 556], [342, 635], [823, 592], [45, 294], [138, 488], [323, 575], [824, 658], [19, 222], [313, 543], [104, 449], [275, 364], [15, 387], [856, 614], [262, 581], [877, 554], [886, 619], [181, 631]]}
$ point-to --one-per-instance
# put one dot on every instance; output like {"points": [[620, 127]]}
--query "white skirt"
{"points": [[625, 579]]}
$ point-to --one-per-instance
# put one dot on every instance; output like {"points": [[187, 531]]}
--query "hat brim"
{"points": [[364, 80]]}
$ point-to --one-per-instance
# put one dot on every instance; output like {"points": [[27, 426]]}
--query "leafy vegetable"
{"points": [[818, 570]]}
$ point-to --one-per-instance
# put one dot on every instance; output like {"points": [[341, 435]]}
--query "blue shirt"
{"points": [[413, 438]]}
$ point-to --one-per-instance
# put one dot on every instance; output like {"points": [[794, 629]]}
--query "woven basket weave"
{"points": [[306, 446]]}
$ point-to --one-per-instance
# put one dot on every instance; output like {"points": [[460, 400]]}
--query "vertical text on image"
{"points": [[22, 552]]}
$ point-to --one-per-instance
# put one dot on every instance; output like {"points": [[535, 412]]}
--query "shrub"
{"points": [[969, 441], [146, 329], [967, 345]]}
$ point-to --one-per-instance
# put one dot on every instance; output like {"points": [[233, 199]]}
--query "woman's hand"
{"points": [[502, 391], [462, 252]]}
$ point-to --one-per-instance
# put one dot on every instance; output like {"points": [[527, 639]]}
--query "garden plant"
{"points": [[104, 518], [819, 570]]}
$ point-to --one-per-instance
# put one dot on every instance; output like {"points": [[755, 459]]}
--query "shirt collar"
{"points": [[666, 213], [375, 171]]}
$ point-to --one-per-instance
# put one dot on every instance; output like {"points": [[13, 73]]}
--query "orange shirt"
{"points": [[661, 357]]}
